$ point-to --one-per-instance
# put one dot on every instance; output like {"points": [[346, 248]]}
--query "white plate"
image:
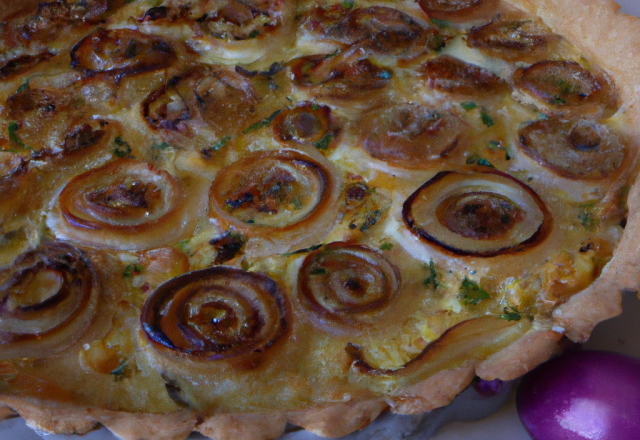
{"points": [[503, 425]]}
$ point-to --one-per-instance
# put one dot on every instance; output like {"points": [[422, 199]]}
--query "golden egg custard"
{"points": [[225, 215]]}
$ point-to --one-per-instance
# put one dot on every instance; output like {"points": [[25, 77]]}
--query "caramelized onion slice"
{"points": [[380, 29], [48, 299], [459, 11], [346, 75], [512, 39], [409, 135], [348, 283], [468, 341], [306, 124], [121, 52], [289, 198], [481, 214], [566, 86], [125, 204], [577, 150], [216, 313], [221, 97], [21, 64], [452, 75]]}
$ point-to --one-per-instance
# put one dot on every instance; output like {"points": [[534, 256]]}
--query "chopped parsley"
{"points": [[318, 271], [162, 146], [12, 129], [386, 246], [348, 4], [305, 250], [220, 144], [542, 116], [468, 105], [324, 143], [507, 153], [494, 145], [511, 314], [120, 369], [263, 123], [132, 269], [23, 86], [254, 34], [123, 148], [315, 107], [486, 118], [470, 292], [440, 23], [588, 220], [475, 159], [558, 100], [431, 279]]}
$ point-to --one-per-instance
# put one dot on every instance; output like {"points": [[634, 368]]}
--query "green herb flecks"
{"points": [[511, 314], [476, 159], [263, 123], [305, 250], [440, 23], [254, 34], [324, 143], [13, 136], [120, 370], [470, 292], [23, 86], [318, 271], [486, 118], [220, 144], [432, 278], [123, 148], [469, 105], [386, 246], [494, 145], [162, 146], [348, 4], [132, 269], [558, 100]]}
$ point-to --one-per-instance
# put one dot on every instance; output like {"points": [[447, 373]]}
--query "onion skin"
{"points": [[582, 396]]}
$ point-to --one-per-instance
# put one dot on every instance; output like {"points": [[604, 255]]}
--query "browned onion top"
{"points": [[482, 214], [121, 52], [21, 64], [409, 135], [379, 29], [221, 97], [450, 74], [346, 75], [459, 11], [348, 283], [47, 300], [276, 190], [216, 313], [565, 85], [306, 124], [512, 39], [578, 150]]}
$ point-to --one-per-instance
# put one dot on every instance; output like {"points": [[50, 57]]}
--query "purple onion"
{"points": [[588, 395]]}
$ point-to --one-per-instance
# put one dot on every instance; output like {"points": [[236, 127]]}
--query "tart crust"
{"points": [[609, 38]]}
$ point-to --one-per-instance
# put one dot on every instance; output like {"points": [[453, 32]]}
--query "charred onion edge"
{"points": [[23, 62], [119, 73], [541, 233], [158, 300], [120, 166], [296, 157], [317, 308], [90, 287], [153, 96]]}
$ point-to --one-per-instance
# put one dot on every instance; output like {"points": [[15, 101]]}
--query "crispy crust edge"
{"points": [[609, 38]]}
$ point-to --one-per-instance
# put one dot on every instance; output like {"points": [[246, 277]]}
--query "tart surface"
{"points": [[217, 214]]}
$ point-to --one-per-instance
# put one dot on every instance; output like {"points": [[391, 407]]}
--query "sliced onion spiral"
{"points": [[216, 313], [348, 283], [48, 299], [482, 214], [125, 204]]}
